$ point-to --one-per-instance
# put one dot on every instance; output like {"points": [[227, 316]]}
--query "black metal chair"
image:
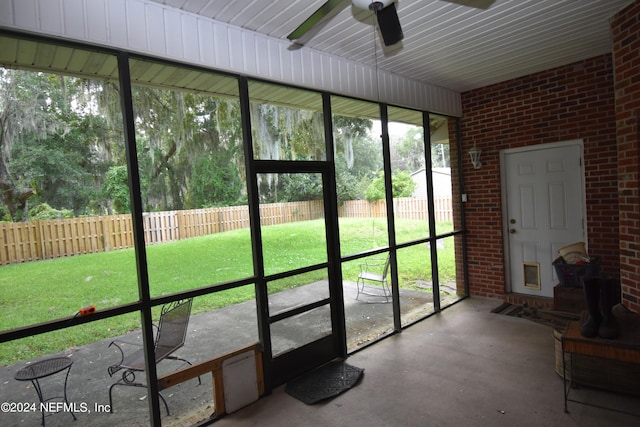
{"points": [[170, 336], [374, 270]]}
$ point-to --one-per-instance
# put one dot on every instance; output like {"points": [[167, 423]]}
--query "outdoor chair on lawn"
{"points": [[170, 335], [374, 270]]}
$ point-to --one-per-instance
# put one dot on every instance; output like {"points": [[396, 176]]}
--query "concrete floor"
{"points": [[464, 367]]}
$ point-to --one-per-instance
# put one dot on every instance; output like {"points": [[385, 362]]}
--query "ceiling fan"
{"points": [[386, 15]]}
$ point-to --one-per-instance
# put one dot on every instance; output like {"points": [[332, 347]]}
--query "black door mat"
{"points": [[553, 318], [324, 382], [508, 309]]}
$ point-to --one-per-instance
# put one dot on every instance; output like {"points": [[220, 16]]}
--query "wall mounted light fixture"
{"points": [[475, 153]]}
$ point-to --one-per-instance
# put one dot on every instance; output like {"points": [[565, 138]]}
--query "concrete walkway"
{"points": [[210, 334]]}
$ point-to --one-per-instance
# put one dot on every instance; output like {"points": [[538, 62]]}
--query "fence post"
{"points": [[40, 240]]}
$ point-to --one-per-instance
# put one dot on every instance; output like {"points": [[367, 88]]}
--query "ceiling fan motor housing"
{"points": [[374, 5]]}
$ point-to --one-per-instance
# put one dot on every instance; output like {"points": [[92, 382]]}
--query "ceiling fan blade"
{"points": [[316, 17], [389, 24], [480, 4]]}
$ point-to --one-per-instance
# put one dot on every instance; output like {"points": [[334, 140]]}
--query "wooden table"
{"points": [[626, 348]]}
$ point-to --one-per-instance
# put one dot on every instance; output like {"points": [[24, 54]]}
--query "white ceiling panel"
{"points": [[445, 44]]}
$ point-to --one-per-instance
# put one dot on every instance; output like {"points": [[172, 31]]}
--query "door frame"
{"points": [[282, 368], [503, 189], [296, 361]]}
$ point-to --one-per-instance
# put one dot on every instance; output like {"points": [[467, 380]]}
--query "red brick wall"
{"points": [[625, 28], [572, 102]]}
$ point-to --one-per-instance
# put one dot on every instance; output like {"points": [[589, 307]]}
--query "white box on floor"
{"points": [[240, 381]]}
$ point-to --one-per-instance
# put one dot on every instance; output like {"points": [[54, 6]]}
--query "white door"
{"points": [[543, 193]]}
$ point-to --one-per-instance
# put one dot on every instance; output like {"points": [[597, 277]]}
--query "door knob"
{"points": [[512, 231]]}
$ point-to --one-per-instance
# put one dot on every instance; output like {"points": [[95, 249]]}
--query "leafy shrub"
{"points": [[44, 211]]}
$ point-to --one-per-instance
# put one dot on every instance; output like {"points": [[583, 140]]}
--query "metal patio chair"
{"points": [[374, 270], [170, 334]]}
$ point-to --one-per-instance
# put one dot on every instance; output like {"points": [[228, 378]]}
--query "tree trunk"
{"points": [[13, 197]]}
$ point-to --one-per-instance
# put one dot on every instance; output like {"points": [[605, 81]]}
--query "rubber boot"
{"points": [[609, 328], [590, 327]]}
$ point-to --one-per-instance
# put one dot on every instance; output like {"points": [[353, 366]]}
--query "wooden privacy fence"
{"points": [[46, 239], [406, 207]]}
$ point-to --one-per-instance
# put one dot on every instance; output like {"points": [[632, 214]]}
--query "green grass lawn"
{"points": [[45, 290]]}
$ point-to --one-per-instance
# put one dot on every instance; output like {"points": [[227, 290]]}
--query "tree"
{"points": [[401, 184], [215, 181], [63, 168], [116, 190], [25, 113], [358, 156], [58, 137], [301, 187], [410, 151], [62, 145], [283, 133], [165, 124], [216, 159], [176, 132], [440, 155], [351, 137], [348, 184]]}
